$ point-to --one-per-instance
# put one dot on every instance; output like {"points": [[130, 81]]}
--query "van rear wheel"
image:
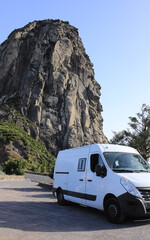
{"points": [[113, 211], [60, 197]]}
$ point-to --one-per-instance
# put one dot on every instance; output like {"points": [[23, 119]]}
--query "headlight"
{"points": [[130, 188]]}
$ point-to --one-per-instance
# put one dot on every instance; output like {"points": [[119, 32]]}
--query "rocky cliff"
{"points": [[46, 75]]}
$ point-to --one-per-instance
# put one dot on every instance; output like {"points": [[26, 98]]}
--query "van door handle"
{"points": [[89, 180], [81, 180]]}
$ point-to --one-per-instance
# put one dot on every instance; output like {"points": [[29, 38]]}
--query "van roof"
{"points": [[116, 148], [102, 147]]}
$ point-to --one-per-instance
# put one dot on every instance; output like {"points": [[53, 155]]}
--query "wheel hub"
{"points": [[112, 210]]}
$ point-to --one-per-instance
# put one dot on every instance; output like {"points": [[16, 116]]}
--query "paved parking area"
{"points": [[28, 212], [38, 178]]}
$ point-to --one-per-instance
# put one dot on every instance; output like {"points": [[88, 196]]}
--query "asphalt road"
{"points": [[38, 178], [28, 212]]}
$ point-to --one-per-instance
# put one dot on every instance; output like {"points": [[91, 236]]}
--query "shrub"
{"points": [[14, 166]]}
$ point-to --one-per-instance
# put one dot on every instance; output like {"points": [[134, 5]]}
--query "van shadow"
{"points": [[25, 189], [50, 217]]}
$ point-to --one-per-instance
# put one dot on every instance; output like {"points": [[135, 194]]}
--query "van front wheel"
{"points": [[113, 211], [60, 197]]}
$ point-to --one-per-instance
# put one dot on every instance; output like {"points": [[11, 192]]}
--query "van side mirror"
{"points": [[100, 170]]}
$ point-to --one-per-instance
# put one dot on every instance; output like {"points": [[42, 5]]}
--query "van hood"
{"points": [[138, 179]]}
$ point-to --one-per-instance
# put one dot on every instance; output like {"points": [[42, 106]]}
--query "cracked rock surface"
{"points": [[47, 76]]}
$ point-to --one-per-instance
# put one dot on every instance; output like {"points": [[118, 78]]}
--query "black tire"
{"points": [[60, 197], [113, 211]]}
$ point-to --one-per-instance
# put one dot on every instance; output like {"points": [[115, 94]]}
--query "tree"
{"points": [[139, 135]]}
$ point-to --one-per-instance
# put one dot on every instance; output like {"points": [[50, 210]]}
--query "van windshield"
{"points": [[126, 162]]}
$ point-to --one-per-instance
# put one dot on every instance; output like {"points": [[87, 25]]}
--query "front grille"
{"points": [[145, 192]]}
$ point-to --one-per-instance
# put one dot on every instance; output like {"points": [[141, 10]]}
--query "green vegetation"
{"points": [[139, 135], [15, 166], [34, 155], [1, 171]]}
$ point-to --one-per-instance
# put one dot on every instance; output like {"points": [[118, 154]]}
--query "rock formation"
{"points": [[47, 76]]}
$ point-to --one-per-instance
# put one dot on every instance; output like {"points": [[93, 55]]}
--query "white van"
{"points": [[108, 177]]}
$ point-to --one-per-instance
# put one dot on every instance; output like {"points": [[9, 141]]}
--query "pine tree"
{"points": [[139, 134]]}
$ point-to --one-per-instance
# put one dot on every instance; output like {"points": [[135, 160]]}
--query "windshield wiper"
{"points": [[141, 170], [122, 170]]}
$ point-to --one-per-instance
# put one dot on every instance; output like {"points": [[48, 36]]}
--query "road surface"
{"points": [[29, 212]]}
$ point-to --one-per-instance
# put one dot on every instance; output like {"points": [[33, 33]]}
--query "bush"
{"points": [[1, 171], [14, 166]]}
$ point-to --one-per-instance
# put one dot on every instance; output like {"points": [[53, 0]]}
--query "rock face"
{"points": [[47, 76]]}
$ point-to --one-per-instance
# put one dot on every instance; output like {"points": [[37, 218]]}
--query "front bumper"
{"points": [[133, 206]]}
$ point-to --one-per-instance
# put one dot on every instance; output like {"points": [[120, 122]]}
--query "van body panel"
{"points": [[140, 179]]}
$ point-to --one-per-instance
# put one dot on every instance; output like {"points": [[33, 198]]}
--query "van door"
{"points": [[95, 185], [76, 181]]}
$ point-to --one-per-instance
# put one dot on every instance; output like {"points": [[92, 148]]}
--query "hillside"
{"points": [[17, 146]]}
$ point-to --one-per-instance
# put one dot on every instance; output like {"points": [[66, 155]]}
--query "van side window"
{"points": [[96, 159], [81, 164]]}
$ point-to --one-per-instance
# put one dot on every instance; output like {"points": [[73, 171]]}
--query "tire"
{"points": [[60, 198], [113, 211]]}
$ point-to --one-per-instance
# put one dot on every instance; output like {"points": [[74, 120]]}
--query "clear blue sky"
{"points": [[116, 36]]}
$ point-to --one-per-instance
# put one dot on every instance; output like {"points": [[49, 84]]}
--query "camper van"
{"points": [[111, 178]]}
